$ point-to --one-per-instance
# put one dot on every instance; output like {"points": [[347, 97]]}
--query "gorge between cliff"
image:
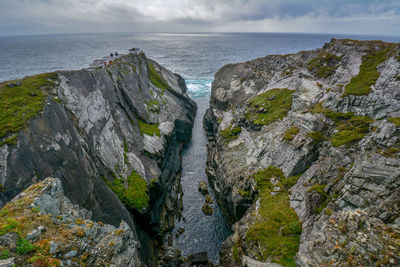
{"points": [[197, 58]]}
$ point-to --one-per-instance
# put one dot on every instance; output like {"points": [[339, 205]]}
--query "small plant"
{"points": [[395, 121], [24, 246], [149, 129], [5, 254], [291, 133], [230, 134], [316, 136]]}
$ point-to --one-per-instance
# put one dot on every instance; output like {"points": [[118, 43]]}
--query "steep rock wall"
{"points": [[320, 127], [108, 134]]}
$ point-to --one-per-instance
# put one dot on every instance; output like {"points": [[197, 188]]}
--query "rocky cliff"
{"points": [[112, 136], [304, 156]]}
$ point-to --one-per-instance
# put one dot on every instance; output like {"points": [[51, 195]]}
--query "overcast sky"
{"points": [[21, 17]]}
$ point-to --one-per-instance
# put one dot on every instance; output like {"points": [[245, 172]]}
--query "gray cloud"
{"points": [[52, 16]]}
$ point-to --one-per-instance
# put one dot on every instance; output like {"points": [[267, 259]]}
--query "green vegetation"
{"points": [[278, 233], [270, 106], [367, 76], [156, 78], [291, 133], [324, 64], [153, 106], [391, 152], [230, 134], [135, 195], [316, 136], [350, 127], [24, 246], [244, 193], [395, 121], [5, 254], [20, 103], [149, 129], [235, 253]]}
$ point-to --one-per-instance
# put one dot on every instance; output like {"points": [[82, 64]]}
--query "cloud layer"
{"points": [[60, 16]]}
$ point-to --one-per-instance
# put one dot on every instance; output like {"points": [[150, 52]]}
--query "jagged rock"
{"points": [[207, 209], [203, 188], [35, 234], [73, 228], [208, 199], [198, 258], [347, 191], [7, 262]]}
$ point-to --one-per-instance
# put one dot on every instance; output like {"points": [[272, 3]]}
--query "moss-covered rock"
{"points": [[270, 106], [207, 209]]}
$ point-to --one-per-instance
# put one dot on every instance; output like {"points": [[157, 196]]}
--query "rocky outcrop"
{"points": [[316, 132], [113, 136], [54, 231]]}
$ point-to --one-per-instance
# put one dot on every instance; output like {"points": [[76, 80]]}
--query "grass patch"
{"points": [[20, 103], [278, 233], [5, 254], [149, 129], [391, 152], [316, 136], [367, 76], [291, 133], [324, 65], [270, 106], [395, 121], [230, 134], [156, 79], [350, 128], [24, 246], [135, 195]]}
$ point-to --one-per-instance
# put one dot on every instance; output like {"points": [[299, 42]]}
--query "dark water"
{"points": [[196, 57]]}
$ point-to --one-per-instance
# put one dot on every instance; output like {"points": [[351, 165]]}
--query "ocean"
{"points": [[196, 57]]}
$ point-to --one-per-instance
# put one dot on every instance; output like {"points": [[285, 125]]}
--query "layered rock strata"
{"points": [[316, 132]]}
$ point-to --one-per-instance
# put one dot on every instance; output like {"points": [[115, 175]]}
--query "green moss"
{"points": [[391, 152], [395, 121], [153, 106], [11, 140], [149, 129], [244, 193], [316, 136], [324, 64], [156, 78], [230, 134], [18, 104], [24, 246], [235, 253], [9, 226], [275, 104], [135, 195], [350, 127], [5, 254], [291, 133], [278, 233], [367, 76]]}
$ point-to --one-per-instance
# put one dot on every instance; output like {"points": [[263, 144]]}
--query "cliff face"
{"points": [[304, 156], [112, 136]]}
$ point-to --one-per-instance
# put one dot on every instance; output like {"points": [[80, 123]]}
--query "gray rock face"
{"points": [[90, 131], [347, 194]]}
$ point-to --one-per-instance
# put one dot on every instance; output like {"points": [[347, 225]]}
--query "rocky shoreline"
{"points": [[303, 155]]}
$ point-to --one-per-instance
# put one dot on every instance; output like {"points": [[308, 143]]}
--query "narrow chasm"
{"points": [[197, 232]]}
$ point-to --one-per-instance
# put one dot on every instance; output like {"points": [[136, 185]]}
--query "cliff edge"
{"points": [[112, 136], [304, 156]]}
